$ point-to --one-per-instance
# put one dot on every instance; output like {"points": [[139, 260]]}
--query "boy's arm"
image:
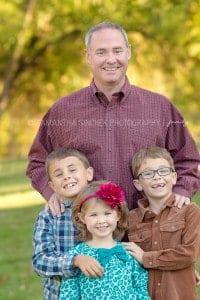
{"points": [[46, 261], [180, 256]]}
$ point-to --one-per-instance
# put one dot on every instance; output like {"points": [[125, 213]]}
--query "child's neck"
{"points": [[101, 243], [157, 205]]}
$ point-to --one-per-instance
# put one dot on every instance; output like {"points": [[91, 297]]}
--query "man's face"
{"points": [[108, 57]]}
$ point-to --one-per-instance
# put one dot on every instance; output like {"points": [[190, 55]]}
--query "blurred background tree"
{"points": [[42, 57]]}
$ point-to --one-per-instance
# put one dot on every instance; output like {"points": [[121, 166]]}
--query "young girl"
{"points": [[100, 214]]}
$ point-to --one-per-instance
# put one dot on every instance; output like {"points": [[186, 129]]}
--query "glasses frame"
{"points": [[154, 172]]}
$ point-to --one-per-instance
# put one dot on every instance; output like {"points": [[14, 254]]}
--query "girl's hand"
{"points": [[134, 250], [88, 266]]}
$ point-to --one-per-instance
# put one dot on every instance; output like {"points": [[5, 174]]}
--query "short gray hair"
{"points": [[103, 25]]}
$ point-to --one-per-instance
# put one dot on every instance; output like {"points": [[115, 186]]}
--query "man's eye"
{"points": [[100, 52], [118, 51], [72, 170]]}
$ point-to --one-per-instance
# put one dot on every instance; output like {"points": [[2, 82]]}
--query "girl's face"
{"points": [[100, 219]]}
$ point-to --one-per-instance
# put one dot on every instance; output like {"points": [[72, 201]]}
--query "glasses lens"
{"points": [[147, 174], [164, 171]]}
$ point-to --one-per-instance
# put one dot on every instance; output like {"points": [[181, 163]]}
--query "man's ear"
{"points": [[129, 51], [87, 55], [137, 184]]}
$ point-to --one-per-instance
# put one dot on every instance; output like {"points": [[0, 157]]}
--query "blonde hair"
{"points": [[150, 152], [91, 189]]}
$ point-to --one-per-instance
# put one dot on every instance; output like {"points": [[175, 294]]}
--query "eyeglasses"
{"points": [[151, 173]]}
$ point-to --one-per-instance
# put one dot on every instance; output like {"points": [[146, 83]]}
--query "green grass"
{"points": [[19, 207]]}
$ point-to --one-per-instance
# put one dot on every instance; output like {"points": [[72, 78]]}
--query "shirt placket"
{"points": [[110, 125], [156, 246]]}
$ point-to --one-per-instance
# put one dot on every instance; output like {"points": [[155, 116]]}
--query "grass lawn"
{"points": [[19, 207]]}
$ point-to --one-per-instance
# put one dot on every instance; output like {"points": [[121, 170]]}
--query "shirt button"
{"points": [[158, 283], [109, 150], [156, 221], [155, 243], [150, 263]]}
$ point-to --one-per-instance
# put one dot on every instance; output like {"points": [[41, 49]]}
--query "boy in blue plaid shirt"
{"points": [[68, 171]]}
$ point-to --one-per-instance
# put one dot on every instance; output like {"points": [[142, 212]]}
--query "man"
{"points": [[110, 120]]}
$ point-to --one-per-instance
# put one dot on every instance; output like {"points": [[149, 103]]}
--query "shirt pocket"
{"points": [[171, 233], [142, 238]]}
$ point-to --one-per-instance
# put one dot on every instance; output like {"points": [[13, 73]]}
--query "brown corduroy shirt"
{"points": [[171, 241]]}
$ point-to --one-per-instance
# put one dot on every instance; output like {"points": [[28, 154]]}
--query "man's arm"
{"points": [[40, 148], [182, 148]]}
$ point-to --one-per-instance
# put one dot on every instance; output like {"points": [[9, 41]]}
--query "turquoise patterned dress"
{"points": [[124, 278]]}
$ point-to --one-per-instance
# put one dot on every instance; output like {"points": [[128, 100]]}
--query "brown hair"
{"points": [[150, 152], [61, 153], [90, 189]]}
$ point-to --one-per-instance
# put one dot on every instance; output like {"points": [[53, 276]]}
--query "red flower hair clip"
{"points": [[110, 193]]}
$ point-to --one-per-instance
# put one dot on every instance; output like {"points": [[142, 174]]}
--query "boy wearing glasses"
{"points": [[164, 238]]}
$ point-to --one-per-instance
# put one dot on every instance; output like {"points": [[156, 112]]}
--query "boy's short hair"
{"points": [[150, 152], [63, 152]]}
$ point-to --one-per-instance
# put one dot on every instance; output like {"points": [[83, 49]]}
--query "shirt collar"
{"points": [[120, 95], [145, 212]]}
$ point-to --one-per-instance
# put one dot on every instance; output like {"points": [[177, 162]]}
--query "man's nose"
{"points": [[111, 57]]}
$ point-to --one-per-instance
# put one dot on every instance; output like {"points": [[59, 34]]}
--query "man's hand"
{"points": [[88, 265], [55, 205], [197, 278], [134, 250], [181, 200]]}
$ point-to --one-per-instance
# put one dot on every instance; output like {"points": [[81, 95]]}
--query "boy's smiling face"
{"points": [[159, 187], [68, 176]]}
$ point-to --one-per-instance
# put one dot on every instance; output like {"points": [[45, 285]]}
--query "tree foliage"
{"points": [[42, 56]]}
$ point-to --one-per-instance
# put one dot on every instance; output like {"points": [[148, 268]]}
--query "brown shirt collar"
{"points": [[145, 212]]}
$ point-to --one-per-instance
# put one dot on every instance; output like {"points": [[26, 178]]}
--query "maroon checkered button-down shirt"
{"points": [[109, 133]]}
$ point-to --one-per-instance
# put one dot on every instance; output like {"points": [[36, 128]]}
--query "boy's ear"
{"points": [[50, 183], [174, 174], [137, 184], [90, 174]]}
